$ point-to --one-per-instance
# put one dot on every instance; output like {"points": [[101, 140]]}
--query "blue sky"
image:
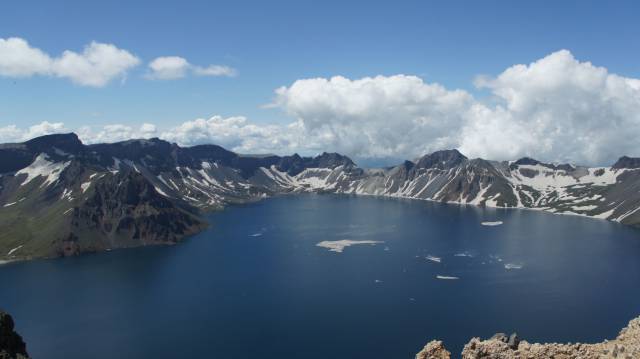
{"points": [[275, 43]]}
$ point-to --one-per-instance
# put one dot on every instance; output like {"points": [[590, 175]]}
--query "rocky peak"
{"points": [[627, 162], [526, 161], [331, 160], [65, 142], [11, 344], [444, 159]]}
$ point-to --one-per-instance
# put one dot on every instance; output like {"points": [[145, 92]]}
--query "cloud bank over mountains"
{"points": [[555, 109]]}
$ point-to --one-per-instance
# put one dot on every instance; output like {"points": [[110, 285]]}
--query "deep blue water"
{"points": [[227, 294]]}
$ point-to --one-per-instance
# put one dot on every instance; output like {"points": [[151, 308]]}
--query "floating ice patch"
{"points": [[495, 223], [339, 246], [433, 259], [446, 277], [513, 266]]}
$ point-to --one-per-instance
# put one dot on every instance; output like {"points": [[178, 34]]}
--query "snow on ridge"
{"points": [[549, 179], [85, 186], [41, 166]]}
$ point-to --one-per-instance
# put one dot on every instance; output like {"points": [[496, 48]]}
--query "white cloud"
{"points": [[379, 116], [168, 68], [12, 133], [96, 66], [176, 67], [115, 133], [554, 109], [557, 108], [215, 70], [235, 133], [18, 59]]}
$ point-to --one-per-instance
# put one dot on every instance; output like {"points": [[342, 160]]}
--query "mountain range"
{"points": [[60, 197]]}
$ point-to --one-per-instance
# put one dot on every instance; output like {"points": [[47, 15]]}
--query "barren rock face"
{"points": [[434, 350], [626, 345], [11, 344]]}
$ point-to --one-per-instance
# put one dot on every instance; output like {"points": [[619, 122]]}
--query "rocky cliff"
{"points": [[11, 344], [501, 346]]}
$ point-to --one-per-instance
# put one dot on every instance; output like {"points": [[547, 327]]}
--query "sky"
{"points": [[554, 80]]}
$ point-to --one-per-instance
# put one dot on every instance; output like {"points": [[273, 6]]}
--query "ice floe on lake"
{"points": [[447, 277], [433, 259], [513, 266], [339, 246]]}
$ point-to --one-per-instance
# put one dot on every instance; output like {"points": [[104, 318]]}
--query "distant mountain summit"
{"points": [[627, 162], [441, 159], [59, 197]]}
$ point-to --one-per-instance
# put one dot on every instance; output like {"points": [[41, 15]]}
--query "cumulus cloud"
{"points": [[557, 108], [19, 59], [236, 133], [12, 133], [377, 116], [97, 65], [115, 133], [176, 67], [554, 109], [168, 68]]}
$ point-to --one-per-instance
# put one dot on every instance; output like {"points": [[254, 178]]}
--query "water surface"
{"points": [[256, 285]]}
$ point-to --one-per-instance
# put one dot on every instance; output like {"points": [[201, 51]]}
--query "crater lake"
{"points": [[324, 276]]}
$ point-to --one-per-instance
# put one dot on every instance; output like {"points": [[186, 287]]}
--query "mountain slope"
{"points": [[59, 197]]}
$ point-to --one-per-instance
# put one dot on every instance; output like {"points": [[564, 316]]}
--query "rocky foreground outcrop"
{"points": [[11, 344], [500, 346]]}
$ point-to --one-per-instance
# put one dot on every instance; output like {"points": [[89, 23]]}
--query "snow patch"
{"points": [[41, 166], [14, 250]]}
